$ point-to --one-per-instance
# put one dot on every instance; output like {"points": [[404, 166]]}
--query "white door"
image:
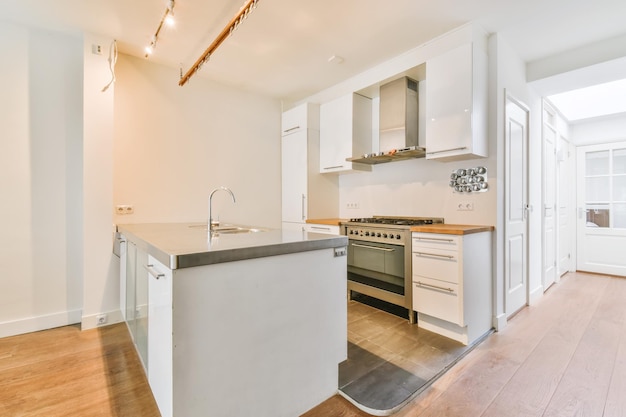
{"points": [[549, 205], [516, 206], [601, 202], [564, 202]]}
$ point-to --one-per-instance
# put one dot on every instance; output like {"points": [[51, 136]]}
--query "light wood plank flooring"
{"points": [[564, 356], [64, 372]]}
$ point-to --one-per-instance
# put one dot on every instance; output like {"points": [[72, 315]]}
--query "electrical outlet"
{"points": [[122, 209], [465, 206], [352, 206], [96, 49], [101, 319]]}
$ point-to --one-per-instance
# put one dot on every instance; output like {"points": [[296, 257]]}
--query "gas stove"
{"points": [[398, 221], [379, 257], [385, 229]]}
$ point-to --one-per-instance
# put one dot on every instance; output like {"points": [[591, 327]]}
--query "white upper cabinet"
{"points": [[345, 131], [305, 116], [456, 104]]}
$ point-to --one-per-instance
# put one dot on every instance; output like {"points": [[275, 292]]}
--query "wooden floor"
{"points": [[66, 372], [564, 356]]}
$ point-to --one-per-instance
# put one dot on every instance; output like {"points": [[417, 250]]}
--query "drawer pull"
{"points": [[291, 128], [435, 239], [335, 167], [436, 255], [153, 272], [423, 284]]}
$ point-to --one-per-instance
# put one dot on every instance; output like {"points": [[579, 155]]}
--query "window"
{"points": [[605, 187]]}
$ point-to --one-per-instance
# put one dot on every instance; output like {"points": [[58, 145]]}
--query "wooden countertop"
{"points": [[452, 229], [329, 222]]}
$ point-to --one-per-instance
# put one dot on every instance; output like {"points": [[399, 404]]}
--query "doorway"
{"points": [[601, 204], [516, 206]]}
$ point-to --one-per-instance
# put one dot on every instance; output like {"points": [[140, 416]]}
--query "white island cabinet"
{"points": [[251, 324], [456, 104], [452, 282]]}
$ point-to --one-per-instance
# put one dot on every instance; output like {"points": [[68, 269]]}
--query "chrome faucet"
{"points": [[211, 223]]}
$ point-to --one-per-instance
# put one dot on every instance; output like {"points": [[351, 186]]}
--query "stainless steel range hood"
{"points": [[398, 124]]}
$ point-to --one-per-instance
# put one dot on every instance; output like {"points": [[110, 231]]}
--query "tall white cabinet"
{"points": [[456, 104], [305, 192]]}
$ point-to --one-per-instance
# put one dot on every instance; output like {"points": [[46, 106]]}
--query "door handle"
{"points": [[156, 274]]}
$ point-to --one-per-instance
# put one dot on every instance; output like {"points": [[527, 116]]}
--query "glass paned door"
{"points": [[601, 200]]}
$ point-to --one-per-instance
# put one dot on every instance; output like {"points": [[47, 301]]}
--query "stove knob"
{"points": [[398, 237], [378, 234], [367, 233], [385, 235]]}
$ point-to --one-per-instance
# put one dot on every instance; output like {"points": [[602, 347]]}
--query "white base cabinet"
{"points": [[452, 284]]}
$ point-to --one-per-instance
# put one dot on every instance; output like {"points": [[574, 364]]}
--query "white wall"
{"points": [[40, 125], [173, 145], [417, 188], [99, 266], [507, 76], [599, 130]]}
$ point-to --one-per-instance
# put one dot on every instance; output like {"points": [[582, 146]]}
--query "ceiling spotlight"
{"points": [[168, 19]]}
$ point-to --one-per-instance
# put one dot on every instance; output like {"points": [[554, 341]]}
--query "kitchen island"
{"points": [[237, 323]]}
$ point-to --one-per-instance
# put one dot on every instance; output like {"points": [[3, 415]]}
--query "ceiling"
{"points": [[283, 48]]}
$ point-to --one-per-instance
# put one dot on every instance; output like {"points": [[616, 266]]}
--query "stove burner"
{"points": [[398, 221]]}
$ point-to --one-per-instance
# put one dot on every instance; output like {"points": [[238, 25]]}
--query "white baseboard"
{"points": [[35, 324], [499, 322], [535, 295], [91, 321]]}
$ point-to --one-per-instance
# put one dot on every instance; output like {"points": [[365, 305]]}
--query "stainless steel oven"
{"points": [[379, 258]]}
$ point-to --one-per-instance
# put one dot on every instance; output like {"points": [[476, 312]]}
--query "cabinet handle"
{"points": [[373, 247], [290, 129], [448, 150], [435, 255], [153, 272], [435, 239], [320, 228], [335, 167], [303, 206], [423, 284]]}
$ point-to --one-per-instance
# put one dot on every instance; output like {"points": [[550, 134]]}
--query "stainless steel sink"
{"points": [[228, 229]]}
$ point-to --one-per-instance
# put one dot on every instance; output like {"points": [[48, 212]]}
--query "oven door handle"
{"points": [[372, 247]]}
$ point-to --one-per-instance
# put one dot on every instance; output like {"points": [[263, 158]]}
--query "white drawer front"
{"points": [[433, 240], [436, 263], [436, 299]]}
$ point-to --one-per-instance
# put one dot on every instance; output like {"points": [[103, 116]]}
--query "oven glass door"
{"points": [[376, 264]]}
